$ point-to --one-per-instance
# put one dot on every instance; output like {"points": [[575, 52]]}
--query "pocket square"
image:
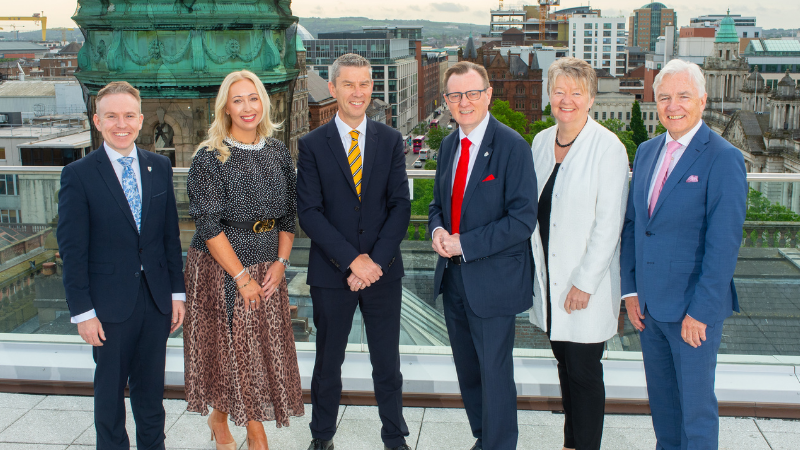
{"points": [[489, 178], [692, 179]]}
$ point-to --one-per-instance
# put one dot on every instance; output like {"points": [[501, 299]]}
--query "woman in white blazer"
{"points": [[582, 178]]}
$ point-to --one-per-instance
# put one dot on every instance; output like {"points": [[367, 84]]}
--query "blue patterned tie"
{"points": [[131, 190]]}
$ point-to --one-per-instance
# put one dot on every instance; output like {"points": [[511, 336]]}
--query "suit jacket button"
{"points": [[141, 250], [647, 233], [357, 208], [360, 231], [136, 274]]}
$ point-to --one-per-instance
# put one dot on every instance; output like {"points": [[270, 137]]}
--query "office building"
{"points": [[600, 41], [647, 23]]}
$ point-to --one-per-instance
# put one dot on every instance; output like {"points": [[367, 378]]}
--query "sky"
{"points": [[781, 14]]}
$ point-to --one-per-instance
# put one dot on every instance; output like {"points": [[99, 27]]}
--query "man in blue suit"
{"points": [[353, 202], [118, 236], [680, 241], [482, 216]]}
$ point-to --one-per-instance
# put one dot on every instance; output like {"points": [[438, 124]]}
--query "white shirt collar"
{"points": [[114, 155], [686, 138], [476, 135], [345, 129]]}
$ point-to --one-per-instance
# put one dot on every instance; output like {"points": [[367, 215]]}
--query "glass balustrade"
{"points": [[33, 305]]}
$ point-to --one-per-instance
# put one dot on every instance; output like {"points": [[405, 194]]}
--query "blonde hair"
{"points": [[221, 127], [119, 87], [575, 69]]}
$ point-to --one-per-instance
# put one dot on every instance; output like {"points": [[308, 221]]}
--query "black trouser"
{"points": [[583, 393], [333, 318], [482, 352], [134, 353]]}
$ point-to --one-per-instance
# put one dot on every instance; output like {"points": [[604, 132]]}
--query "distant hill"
{"points": [[53, 34], [443, 32]]}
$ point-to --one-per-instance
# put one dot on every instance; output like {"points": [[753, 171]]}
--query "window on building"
{"points": [[2, 153], [378, 86], [587, 56], [755, 34], [650, 128], [587, 26], [587, 40], [628, 115], [587, 33], [574, 25], [9, 185], [651, 115], [535, 104], [377, 72], [621, 48], [620, 71], [620, 26], [644, 116], [607, 33], [595, 115], [607, 26], [10, 216], [606, 55], [519, 104], [604, 115], [606, 48], [573, 40], [611, 115], [392, 72], [521, 90], [744, 34]]}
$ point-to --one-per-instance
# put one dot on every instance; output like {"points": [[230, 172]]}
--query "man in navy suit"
{"points": [[353, 202], [118, 236], [482, 216], [680, 241]]}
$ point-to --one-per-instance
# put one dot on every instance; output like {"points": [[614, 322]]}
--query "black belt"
{"points": [[256, 226], [455, 260]]}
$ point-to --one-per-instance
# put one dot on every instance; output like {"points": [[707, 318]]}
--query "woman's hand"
{"points": [[273, 279], [576, 299], [250, 292]]}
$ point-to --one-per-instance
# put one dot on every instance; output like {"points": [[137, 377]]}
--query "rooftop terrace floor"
{"points": [[66, 422]]}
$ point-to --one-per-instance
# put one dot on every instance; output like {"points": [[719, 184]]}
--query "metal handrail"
{"points": [[414, 174]]}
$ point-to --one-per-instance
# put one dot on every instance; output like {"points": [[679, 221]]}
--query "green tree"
{"points": [[435, 137], [759, 208], [515, 120], [547, 110], [430, 165], [625, 136], [541, 125], [637, 125], [660, 129]]}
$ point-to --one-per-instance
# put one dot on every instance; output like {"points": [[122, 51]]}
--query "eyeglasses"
{"points": [[455, 97]]}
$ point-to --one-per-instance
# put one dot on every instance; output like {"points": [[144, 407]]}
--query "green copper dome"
{"points": [[727, 30]]}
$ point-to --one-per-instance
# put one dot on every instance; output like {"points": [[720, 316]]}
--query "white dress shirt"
{"points": [[114, 155], [676, 156], [475, 138], [347, 141]]}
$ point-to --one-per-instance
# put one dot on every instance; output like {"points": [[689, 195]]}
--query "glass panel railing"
{"points": [[32, 299]]}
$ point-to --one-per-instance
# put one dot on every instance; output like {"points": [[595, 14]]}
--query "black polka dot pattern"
{"points": [[256, 182]]}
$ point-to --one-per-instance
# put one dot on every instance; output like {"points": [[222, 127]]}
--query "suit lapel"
{"points": [[368, 158], [147, 182], [448, 180], [693, 150], [110, 177], [651, 166], [481, 160], [340, 154]]}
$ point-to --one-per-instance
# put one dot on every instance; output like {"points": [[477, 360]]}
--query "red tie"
{"points": [[458, 186]]}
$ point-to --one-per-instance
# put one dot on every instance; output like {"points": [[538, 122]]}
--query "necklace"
{"points": [[572, 141]]}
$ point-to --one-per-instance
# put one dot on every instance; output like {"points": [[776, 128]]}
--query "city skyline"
{"points": [[58, 12]]}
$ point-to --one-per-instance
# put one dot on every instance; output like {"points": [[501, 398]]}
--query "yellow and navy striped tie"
{"points": [[354, 159]]}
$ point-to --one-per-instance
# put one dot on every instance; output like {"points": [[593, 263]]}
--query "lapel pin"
{"points": [[486, 154], [149, 169]]}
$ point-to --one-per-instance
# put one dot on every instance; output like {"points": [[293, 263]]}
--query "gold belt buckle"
{"points": [[263, 225]]}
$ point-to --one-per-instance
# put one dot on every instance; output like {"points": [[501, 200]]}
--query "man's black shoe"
{"points": [[399, 447], [476, 447], [320, 444]]}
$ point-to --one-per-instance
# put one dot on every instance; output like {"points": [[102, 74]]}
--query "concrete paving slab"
{"points": [[191, 431], [782, 441], [66, 403], [366, 434], [9, 416], [779, 425], [447, 415], [450, 435], [628, 439], [24, 401], [9, 446], [371, 413], [48, 427], [89, 437]]}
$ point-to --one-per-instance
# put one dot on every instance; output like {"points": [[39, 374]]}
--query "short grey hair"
{"points": [[677, 66], [575, 69], [348, 60]]}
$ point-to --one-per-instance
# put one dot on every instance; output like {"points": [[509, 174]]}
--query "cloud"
{"points": [[449, 7], [414, 8]]}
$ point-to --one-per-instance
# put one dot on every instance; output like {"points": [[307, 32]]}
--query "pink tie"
{"points": [[661, 179]]}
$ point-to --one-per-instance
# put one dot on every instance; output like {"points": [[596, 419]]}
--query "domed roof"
{"points": [[654, 6], [727, 30], [303, 34], [786, 80], [754, 75]]}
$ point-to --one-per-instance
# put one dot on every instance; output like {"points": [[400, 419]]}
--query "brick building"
{"points": [[322, 106], [58, 66], [512, 79], [429, 93]]}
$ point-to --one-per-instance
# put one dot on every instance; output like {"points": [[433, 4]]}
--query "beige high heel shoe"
{"points": [[230, 446]]}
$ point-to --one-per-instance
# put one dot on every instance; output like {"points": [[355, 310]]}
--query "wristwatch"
{"points": [[285, 262]]}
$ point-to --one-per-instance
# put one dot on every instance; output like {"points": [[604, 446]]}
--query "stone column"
{"points": [[785, 200], [796, 197]]}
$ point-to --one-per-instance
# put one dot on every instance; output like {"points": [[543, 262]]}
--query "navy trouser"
{"points": [[333, 318], [134, 353], [482, 351]]}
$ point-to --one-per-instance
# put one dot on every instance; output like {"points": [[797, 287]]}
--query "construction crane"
{"points": [[36, 18], [64, 33], [544, 9]]}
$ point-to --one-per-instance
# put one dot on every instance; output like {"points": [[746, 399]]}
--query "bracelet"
{"points": [[285, 262], [236, 278], [245, 285]]}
